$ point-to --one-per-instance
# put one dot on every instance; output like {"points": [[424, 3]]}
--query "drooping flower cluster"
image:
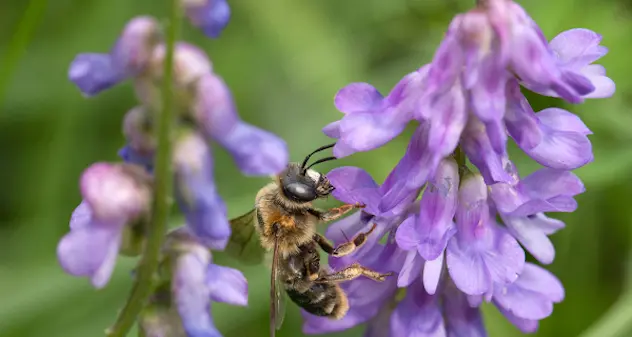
{"points": [[448, 248], [114, 215]]}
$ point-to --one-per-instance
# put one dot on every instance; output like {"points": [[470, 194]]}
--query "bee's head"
{"points": [[302, 184]]}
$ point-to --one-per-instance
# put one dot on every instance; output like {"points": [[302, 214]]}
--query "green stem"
{"points": [[461, 160], [616, 322], [142, 288], [20, 41]]}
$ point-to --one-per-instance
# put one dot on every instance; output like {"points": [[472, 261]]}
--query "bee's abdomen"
{"points": [[321, 300]]}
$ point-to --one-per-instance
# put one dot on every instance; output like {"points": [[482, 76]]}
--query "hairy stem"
{"points": [[142, 287]]}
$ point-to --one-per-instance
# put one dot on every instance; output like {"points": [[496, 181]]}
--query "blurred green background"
{"points": [[284, 60]]}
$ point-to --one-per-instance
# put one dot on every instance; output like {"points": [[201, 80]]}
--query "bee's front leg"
{"points": [[345, 248], [335, 213]]}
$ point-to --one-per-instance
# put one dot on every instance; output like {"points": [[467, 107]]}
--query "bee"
{"points": [[283, 222]]}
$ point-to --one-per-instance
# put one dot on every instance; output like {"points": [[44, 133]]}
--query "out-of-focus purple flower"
{"points": [[93, 73], [190, 63], [211, 16], [370, 119], [194, 283], [575, 50], [530, 298], [481, 253], [463, 319], [114, 196], [256, 151], [196, 193]]}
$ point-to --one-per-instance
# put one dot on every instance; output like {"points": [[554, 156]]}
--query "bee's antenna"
{"points": [[315, 151], [319, 161]]}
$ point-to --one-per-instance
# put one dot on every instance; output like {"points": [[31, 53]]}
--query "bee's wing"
{"points": [[244, 242], [277, 294]]}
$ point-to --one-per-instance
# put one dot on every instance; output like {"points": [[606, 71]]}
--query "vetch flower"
{"points": [[370, 119], [530, 298], [93, 73], [115, 196], [453, 252], [184, 302], [428, 233], [196, 193], [575, 50], [481, 253], [211, 16]]}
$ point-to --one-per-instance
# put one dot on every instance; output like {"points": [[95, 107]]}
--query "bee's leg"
{"points": [[335, 213], [344, 248], [353, 271], [350, 246]]}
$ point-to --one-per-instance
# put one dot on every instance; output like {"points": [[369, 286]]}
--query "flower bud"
{"points": [[116, 191], [211, 16]]}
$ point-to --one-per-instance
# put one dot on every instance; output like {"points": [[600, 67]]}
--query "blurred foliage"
{"points": [[284, 60]]}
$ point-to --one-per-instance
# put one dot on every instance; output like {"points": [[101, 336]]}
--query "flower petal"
{"points": [[524, 325], [562, 150], [196, 192], [407, 236], [212, 16], [479, 150], [437, 209], [562, 120], [532, 233], [357, 97], [432, 274], [462, 319], [332, 130], [192, 296], [417, 315], [257, 152], [353, 185], [411, 270], [81, 217], [604, 86], [577, 47], [93, 73], [91, 251], [447, 122], [364, 131], [227, 285]]}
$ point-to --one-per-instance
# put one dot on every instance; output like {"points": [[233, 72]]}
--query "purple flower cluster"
{"points": [[463, 242], [114, 216]]}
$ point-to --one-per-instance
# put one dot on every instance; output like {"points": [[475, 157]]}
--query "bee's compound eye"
{"points": [[299, 191]]}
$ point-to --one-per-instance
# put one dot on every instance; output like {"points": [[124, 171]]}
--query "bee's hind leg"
{"points": [[353, 271]]}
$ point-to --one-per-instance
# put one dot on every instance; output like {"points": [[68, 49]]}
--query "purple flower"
{"points": [[211, 16], [575, 50], [196, 193], [195, 283], [131, 54], [257, 152], [530, 298], [418, 314], [190, 63], [553, 137], [370, 119], [114, 196], [481, 253], [428, 233]]}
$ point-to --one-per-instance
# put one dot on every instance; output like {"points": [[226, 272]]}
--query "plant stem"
{"points": [[143, 286]]}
